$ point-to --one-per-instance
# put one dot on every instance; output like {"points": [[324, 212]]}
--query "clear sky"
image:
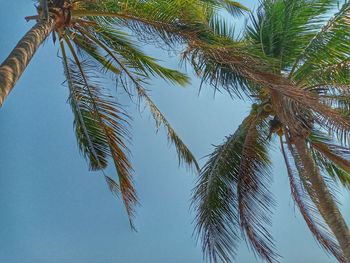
{"points": [[54, 211]]}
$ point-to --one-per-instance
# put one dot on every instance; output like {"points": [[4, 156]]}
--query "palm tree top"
{"points": [[96, 38], [292, 63]]}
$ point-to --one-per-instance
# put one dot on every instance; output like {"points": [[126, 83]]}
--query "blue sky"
{"points": [[53, 210]]}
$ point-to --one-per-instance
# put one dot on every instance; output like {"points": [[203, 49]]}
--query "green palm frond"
{"points": [[332, 158], [336, 97], [106, 37], [143, 65], [222, 67], [104, 34], [118, 50], [134, 58], [254, 197], [230, 65], [327, 50], [221, 27], [170, 21], [101, 127], [184, 154], [232, 192], [90, 51], [236, 72], [235, 8], [283, 29], [332, 76], [215, 198], [87, 129], [309, 211]]}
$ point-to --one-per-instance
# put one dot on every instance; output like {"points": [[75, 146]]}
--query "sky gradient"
{"points": [[53, 210]]}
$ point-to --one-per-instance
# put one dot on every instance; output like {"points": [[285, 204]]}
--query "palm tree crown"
{"points": [[97, 39], [292, 62]]}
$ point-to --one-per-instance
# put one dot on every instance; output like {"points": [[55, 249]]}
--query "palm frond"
{"points": [[336, 97], [233, 7], [89, 50], [254, 197], [116, 45], [283, 29], [112, 132], [87, 130], [184, 154], [215, 198], [134, 58], [169, 21], [327, 48], [309, 103], [309, 211], [221, 27], [333, 75], [224, 196], [238, 72], [223, 66], [317, 186], [332, 158]]}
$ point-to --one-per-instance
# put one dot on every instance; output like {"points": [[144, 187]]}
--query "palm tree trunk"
{"points": [[328, 208], [15, 64]]}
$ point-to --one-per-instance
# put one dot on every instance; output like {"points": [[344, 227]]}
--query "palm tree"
{"points": [[98, 38], [293, 63], [94, 40]]}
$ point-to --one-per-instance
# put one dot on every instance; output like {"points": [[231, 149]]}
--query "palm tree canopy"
{"points": [[292, 63], [99, 38]]}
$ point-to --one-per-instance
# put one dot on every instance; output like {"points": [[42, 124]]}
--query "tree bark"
{"points": [[326, 204], [15, 64]]}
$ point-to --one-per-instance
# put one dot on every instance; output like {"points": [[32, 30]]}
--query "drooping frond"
{"points": [[321, 193], [112, 62], [184, 154], [254, 197], [332, 158], [226, 194], [215, 198], [309, 211], [86, 129], [108, 126], [104, 35]]}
